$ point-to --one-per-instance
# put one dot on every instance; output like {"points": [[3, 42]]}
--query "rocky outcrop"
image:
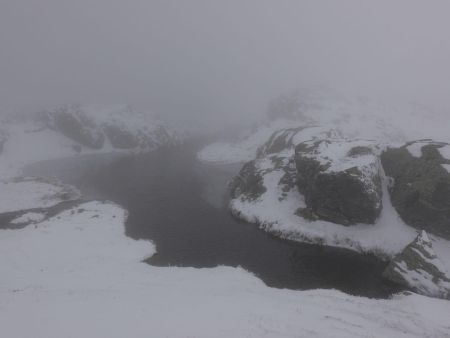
{"points": [[119, 136], [420, 189], [418, 268], [340, 180], [124, 128], [75, 124], [249, 183]]}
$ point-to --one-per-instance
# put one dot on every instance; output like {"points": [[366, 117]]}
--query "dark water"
{"points": [[179, 204]]}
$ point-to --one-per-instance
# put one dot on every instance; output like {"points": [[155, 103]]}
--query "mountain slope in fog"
{"points": [[76, 129]]}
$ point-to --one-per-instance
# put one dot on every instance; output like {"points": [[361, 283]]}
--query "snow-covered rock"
{"points": [[417, 267], [340, 180], [72, 130], [73, 122], [124, 128], [420, 189], [275, 203]]}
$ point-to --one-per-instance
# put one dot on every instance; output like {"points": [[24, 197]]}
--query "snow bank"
{"points": [[32, 192], [78, 275]]}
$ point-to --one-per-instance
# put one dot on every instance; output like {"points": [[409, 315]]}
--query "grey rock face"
{"points": [[120, 137], [72, 122], [418, 268], [340, 181], [248, 184], [421, 185]]}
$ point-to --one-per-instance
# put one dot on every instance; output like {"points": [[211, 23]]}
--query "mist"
{"points": [[219, 61]]}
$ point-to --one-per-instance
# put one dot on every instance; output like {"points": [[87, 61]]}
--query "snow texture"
{"points": [[32, 192], [418, 268], [78, 275]]}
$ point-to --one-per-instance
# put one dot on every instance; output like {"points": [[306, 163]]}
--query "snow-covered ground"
{"points": [[32, 192], [78, 275]]}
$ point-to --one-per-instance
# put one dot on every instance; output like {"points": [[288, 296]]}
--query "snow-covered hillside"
{"points": [[74, 129]]}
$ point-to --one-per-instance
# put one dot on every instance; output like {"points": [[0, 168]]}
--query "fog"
{"points": [[219, 61]]}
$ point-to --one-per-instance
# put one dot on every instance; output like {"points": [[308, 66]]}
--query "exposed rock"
{"points": [[74, 123], [420, 189], [340, 180], [248, 184], [125, 128], [119, 136], [418, 268]]}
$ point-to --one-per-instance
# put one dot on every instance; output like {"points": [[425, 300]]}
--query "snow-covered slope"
{"points": [[78, 275], [39, 137], [347, 117]]}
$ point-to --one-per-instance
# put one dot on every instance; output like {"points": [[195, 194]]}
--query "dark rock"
{"points": [[418, 268], [248, 184], [119, 136], [420, 189], [72, 122], [340, 181]]}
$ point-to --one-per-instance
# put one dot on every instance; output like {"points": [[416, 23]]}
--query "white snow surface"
{"points": [[445, 151], [29, 217], [78, 275], [31, 192]]}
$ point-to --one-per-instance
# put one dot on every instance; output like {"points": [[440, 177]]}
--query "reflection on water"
{"points": [[178, 203]]}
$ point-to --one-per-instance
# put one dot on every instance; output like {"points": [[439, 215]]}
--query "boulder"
{"points": [[420, 188], [418, 268], [340, 180]]}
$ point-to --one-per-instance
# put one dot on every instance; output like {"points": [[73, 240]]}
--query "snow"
{"points": [[78, 275], [29, 141], [445, 151], [329, 115], [28, 144], [29, 217], [415, 149], [30, 192], [446, 167], [245, 149], [386, 238], [386, 123]]}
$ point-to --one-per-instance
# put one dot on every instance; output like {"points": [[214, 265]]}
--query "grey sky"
{"points": [[218, 58]]}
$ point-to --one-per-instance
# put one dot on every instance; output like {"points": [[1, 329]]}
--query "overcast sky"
{"points": [[217, 58]]}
